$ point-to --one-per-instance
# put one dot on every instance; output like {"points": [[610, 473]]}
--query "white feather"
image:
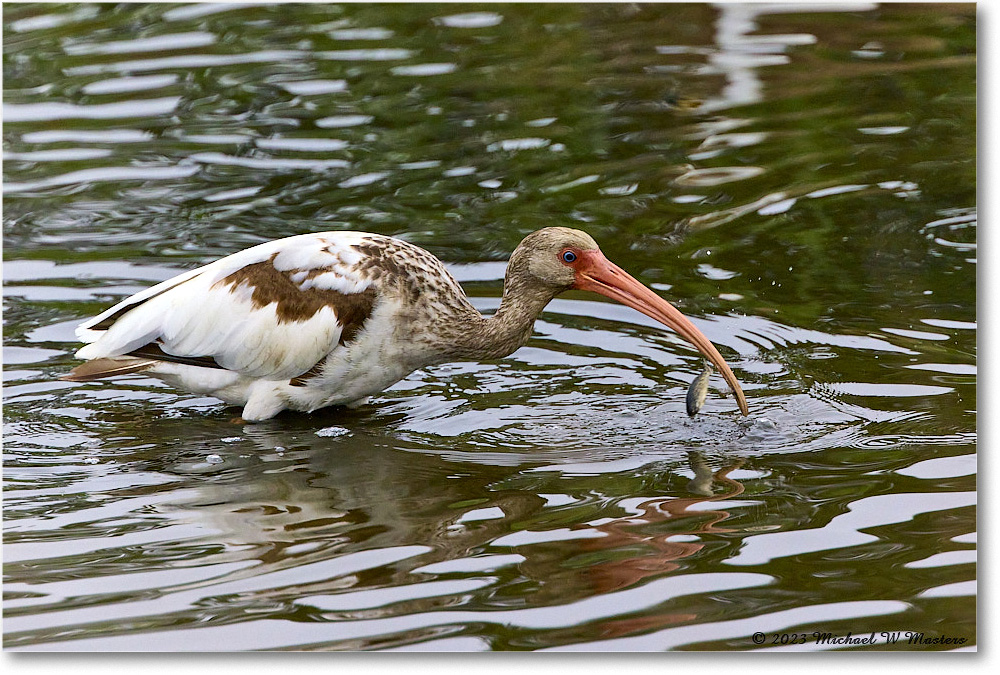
{"points": [[190, 315], [338, 281]]}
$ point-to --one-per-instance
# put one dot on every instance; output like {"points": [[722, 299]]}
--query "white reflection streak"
{"points": [[105, 174], [848, 529], [120, 85], [186, 12], [739, 53], [268, 162], [158, 43], [43, 112], [83, 136], [743, 86], [187, 61]]}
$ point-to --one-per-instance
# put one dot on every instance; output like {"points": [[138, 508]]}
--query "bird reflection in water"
{"points": [[349, 517]]}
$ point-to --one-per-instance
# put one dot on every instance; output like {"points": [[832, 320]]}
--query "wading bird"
{"points": [[331, 318]]}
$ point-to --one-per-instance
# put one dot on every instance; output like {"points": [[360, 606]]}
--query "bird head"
{"points": [[544, 257], [558, 259]]}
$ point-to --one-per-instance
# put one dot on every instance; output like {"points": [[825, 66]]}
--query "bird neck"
{"points": [[510, 326]]}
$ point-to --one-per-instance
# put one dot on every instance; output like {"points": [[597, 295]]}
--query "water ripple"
{"points": [[158, 43], [112, 174], [35, 112]]}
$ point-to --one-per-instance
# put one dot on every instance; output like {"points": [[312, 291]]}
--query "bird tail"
{"points": [[107, 367]]}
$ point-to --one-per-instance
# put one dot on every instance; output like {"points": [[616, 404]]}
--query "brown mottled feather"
{"points": [[294, 304]]}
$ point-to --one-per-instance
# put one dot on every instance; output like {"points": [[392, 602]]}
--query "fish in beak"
{"points": [[596, 273]]}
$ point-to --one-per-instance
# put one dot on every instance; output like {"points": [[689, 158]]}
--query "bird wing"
{"points": [[273, 311]]}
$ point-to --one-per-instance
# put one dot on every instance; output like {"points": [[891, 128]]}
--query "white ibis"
{"points": [[331, 318]]}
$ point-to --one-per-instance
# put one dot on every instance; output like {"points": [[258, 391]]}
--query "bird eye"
{"points": [[568, 256]]}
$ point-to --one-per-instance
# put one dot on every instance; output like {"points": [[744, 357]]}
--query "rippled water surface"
{"points": [[799, 181]]}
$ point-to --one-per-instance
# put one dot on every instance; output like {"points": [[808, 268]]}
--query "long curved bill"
{"points": [[596, 273]]}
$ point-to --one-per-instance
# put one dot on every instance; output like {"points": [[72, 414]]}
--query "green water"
{"points": [[801, 183]]}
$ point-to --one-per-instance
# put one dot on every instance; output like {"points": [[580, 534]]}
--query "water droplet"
{"points": [[333, 432]]}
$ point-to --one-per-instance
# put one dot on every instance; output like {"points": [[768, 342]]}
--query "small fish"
{"points": [[698, 390]]}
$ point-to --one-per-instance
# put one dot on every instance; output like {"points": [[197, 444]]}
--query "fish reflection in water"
{"points": [[698, 391], [704, 476], [667, 550]]}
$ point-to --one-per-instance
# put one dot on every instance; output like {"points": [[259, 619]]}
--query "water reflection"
{"points": [[344, 526], [740, 54], [671, 513], [347, 530]]}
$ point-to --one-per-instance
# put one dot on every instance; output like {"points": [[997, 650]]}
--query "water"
{"points": [[801, 182]]}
